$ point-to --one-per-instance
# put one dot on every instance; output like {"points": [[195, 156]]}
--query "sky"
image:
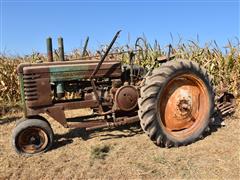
{"points": [[25, 25]]}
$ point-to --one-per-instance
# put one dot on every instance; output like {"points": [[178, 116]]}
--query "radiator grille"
{"points": [[30, 87]]}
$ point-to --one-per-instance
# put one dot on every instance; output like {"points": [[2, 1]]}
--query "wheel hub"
{"points": [[35, 140], [32, 140], [183, 107], [180, 105]]}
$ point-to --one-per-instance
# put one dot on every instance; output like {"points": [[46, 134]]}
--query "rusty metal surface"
{"points": [[57, 113], [226, 103], [87, 124], [126, 98], [71, 71], [32, 140], [49, 49], [53, 87], [100, 123], [72, 62], [96, 70], [183, 105], [77, 104], [96, 96], [119, 122], [61, 49], [37, 90]]}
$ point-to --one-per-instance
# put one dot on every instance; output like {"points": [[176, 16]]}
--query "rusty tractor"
{"points": [[173, 102]]}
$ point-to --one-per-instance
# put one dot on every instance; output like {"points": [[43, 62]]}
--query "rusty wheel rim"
{"points": [[183, 105], [32, 140]]}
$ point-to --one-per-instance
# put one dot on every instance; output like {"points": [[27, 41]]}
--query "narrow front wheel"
{"points": [[32, 136]]}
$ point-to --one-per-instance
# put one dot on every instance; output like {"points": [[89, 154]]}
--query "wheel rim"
{"points": [[32, 140], [183, 105]]}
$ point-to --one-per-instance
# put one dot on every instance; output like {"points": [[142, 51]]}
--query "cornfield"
{"points": [[223, 66]]}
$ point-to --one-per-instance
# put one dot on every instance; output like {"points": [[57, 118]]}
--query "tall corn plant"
{"points": [[223, 66], [9, 91]]}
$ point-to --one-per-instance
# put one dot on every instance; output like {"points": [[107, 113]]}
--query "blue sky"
{"points": [[25, 25]]}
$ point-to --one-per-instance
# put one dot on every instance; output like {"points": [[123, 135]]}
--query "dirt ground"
{"points": [[129, 155]]}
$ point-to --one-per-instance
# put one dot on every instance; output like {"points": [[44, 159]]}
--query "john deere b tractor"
{"points": [[173, 102]]}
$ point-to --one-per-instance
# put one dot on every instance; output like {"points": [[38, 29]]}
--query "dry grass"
{"points": [[100, 152], [130, 155]]}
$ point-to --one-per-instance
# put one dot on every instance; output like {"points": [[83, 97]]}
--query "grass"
{"points": [[133, 157], [100, 151], [160, 159]]}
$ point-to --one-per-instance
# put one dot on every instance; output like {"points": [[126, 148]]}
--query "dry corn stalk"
{"points": [[224, 67]]}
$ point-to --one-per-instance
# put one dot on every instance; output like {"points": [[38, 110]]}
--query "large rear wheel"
{"points": [[177, 101]]}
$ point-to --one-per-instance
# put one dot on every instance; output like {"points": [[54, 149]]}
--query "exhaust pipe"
{"points": [[61, 49], [49, 49]]}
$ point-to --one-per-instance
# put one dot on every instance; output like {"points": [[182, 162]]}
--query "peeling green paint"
{"points": [[67, 73], [22, 94]]}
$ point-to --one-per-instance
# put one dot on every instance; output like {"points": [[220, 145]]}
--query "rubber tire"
{"points": [[153, 86], [24, 124], [32, 117]]}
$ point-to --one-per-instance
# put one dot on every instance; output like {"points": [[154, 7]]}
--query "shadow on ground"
{"points": [[124, 131]]}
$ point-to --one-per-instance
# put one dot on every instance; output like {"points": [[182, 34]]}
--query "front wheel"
{"points": [[176, 104], [32, 136]]}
